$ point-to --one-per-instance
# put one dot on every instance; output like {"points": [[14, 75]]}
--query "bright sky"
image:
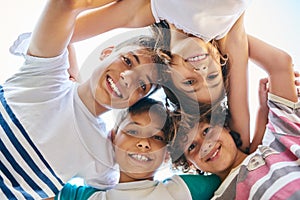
{"points": [[274, 21]]}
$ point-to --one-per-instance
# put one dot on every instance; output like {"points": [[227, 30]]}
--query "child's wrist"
{"points": [[263, 109]]}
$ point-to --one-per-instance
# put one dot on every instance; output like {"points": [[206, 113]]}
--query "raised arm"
{"points": [[120, 14], [74, 68], [55, 26], [235, 45], [261, 116], [278, 65]]}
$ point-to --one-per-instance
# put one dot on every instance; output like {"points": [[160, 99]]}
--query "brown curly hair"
{"points": [[216, 115]]}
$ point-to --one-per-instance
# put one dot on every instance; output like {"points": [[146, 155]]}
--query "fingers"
{"points": [[263, 84], [297, 75], [262, 92], [297, 82]]}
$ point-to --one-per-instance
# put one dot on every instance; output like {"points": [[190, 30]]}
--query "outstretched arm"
{"points": [[55, 26], [119, 14], [262, 115], [235, 45], [278, 65]]}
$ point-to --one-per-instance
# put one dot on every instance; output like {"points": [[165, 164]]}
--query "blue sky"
{"points": [[274, 21]]}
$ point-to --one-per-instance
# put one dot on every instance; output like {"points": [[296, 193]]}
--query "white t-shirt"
{"points": [[48, 131], [206, 19], [173, 188]]}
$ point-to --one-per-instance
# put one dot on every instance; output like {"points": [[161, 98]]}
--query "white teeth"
{"points": [[214, 154], [196, 58], [139, 157], [114, 87]]}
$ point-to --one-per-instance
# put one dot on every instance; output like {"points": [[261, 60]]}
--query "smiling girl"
{"points": [[272, 171]]}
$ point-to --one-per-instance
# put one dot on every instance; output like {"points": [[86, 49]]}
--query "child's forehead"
{"points": [[138, 50], [144, 119]]}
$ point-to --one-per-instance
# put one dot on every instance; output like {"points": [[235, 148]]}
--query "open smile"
{"points": [[196, 58], [139, 157], [112, 86], [213, 154]]}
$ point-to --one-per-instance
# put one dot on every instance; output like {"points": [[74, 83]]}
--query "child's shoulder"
{"points": [[199, 186], [73, 191]]}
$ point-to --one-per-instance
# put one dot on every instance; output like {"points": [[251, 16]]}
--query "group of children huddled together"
{"points": [[51, 126]]}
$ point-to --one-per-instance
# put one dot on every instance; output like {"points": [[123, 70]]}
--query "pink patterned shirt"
{"points": [[273, 170]]}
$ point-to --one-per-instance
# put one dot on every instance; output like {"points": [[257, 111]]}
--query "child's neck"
{"points": [[240, 157], [86, 96], [126, 178]]}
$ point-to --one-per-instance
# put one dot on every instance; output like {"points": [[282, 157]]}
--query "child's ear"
{"points": [[106, 52], [167, 157]]}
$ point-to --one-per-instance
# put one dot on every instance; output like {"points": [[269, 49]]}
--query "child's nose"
{"points": [[206, 147], [127, 78], [201, 71], [143, 144]]}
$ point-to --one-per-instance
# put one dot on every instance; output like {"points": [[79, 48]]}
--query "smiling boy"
{"points": [[51, 130], [140, 139]]}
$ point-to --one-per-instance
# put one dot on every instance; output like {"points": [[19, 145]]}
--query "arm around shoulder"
{"points": [[235, 45], [262, 115], [278, 64]]}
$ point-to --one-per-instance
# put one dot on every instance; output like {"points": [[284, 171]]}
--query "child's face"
{"points": [[128, 77], [196, 68], [212, 149], [140, 146]]}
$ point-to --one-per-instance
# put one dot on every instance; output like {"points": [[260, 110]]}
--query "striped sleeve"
{"points": [[284, 124], [25, 174], [284, 116]]}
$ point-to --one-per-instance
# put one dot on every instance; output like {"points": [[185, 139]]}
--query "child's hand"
{"points": [[263, 89], [263, 93], [297, 82], [81, 5], [73, 69]]}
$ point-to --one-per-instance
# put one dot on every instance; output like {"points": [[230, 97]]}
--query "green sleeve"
{"points": [[201, 186], [74, 192]]}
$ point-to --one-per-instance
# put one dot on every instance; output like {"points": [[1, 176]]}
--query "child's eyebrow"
{"points": [[135, 56], [217, 84], [193, 90], [133, 123]]}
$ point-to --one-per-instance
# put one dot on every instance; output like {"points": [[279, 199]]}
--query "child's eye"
{"points": [[189, 82], [142, 85], [206, 131], [212, 76], [127, 61], [131, 132], [158, 137], [191, 147]]}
